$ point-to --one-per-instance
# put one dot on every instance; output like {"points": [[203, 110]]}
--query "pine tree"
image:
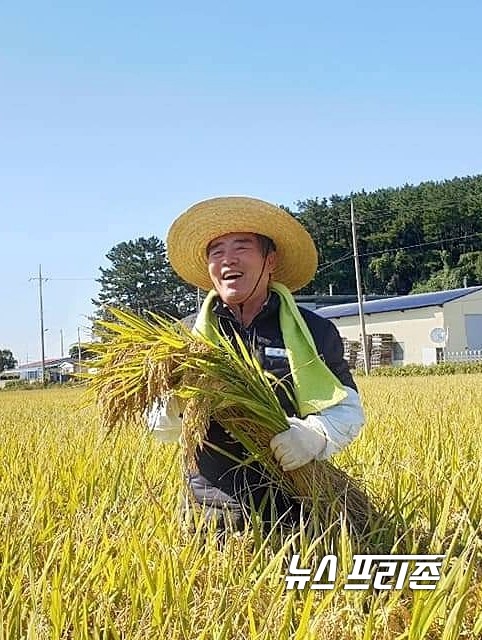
{"points": [[141, 279]]}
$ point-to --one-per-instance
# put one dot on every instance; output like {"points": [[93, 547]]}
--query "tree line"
{"points": [[410, 239]]}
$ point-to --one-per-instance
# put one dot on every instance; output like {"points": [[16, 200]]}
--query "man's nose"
{"points": [[230, 258]]}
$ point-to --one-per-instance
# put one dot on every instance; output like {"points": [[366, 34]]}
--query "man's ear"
{"points": [[271, 261]]}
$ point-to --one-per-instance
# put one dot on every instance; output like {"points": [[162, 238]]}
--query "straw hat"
{"points": [[190, 234]]}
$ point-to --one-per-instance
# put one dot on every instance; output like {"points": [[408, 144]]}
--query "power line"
{"points": [[394, 249], [331, 264], [422, 244]]}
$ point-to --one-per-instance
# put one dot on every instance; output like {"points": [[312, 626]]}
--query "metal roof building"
{"points": [[425, 326], [56, 369]]}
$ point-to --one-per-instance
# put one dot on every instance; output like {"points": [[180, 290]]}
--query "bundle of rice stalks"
{"points": [[141, 360]]}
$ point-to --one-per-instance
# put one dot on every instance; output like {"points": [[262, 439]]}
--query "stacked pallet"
{"points": [[360, 363], [350, 351], [381, 352]]}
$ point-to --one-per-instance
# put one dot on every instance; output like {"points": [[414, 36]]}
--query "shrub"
{"points": [[441, 369], [13, 385]]}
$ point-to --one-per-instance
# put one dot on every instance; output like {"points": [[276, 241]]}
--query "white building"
{"points": [[56, 370], [425, 327]]}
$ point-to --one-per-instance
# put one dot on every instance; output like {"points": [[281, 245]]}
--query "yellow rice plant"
{"points": [[140, 361], [92, 546]]}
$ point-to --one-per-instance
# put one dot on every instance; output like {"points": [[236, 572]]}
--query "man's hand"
{"points": [[303, 442]]}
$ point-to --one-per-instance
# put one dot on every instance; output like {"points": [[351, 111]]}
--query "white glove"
{"points": [[164, 419], [303, 442]]}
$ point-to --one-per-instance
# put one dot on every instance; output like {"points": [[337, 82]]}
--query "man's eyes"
{"points": [[218, 253]]}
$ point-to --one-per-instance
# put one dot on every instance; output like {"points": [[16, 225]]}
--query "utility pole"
{"points": [[78, 347], [359, 289], [61, 355], [41, 306]]}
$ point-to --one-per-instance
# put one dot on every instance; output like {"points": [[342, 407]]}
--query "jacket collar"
{"points": [[270, 306]]}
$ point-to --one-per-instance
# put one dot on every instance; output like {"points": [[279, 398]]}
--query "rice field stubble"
{"points": [[91, 545]]}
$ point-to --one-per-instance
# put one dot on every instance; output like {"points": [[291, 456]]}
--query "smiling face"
{"points": [[238, 269]]}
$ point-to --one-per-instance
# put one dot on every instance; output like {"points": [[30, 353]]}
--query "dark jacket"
{"points": [[223, 481]]}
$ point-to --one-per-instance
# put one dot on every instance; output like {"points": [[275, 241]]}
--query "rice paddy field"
{"points": [[92, 545]]}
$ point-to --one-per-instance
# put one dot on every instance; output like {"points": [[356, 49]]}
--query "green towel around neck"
{"points": [[316, 388]]}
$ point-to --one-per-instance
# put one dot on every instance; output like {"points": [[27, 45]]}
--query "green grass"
{"points": [[92, 547]]}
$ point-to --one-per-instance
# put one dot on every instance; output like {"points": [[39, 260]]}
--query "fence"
{"points": [[468, 355]]}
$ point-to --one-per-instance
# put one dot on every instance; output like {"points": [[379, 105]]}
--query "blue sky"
{"points": [[115, 117]]}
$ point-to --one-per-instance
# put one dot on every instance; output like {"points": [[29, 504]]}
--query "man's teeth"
{"points": [[232, 276]]}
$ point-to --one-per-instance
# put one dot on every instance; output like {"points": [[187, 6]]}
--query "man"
{"points": [[251, 255]]}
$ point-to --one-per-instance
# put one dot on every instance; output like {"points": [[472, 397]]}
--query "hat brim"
{"points": [[190, 234]]}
